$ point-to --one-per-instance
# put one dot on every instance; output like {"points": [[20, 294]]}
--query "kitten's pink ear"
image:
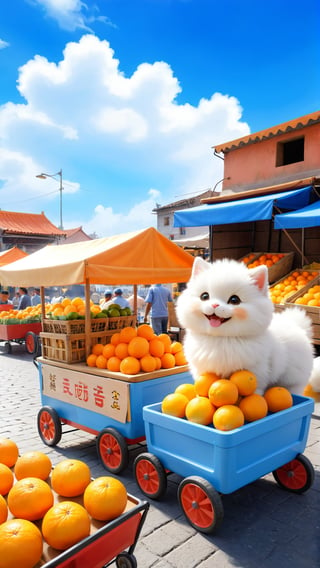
{"points": [[199, 265], [260, 277]]}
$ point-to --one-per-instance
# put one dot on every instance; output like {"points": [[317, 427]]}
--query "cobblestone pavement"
{"points": [[264, 526]]}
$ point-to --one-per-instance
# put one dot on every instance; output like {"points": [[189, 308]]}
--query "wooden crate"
{"points": [[121, 322], [66, 327], [67, 348], [294, 292], [97, 324]]}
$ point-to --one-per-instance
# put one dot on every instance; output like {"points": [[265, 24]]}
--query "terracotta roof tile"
{"points": [[289, 126], [27, 224]]}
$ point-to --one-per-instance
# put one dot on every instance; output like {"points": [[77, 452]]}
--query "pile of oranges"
{"points": [[28, 315], [291, 284], [134, 350], [38, 503], [225, 403], [267, 258], [311, 297]]}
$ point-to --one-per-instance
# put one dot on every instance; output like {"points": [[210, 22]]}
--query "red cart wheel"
{"points": [[49, 426], [126, 560], [296, 476], [31, 342], [201, 504], [112, 450], [150, 475]]}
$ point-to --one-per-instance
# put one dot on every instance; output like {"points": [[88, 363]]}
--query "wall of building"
{"points": [[254, 165]]}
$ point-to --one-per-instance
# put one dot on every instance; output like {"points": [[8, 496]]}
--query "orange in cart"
{"points": [[278, 398], [228, 417], [204, 382], [9, 451], [105, 498], [70, 477], [168, 361], [138, 347], [223, 392], [146, 331], [156, 347], [91, 360], [187, 389], [6, 481], [65, 524], [113, 364], [148, 363], [180, 358], [108, 350], [200, 410], [101, 362], [121, 350], [130, 366], [126, 334], [33, 464], [254, 407], [20, 544], [174, 404], [245, 381], [30, 498]]}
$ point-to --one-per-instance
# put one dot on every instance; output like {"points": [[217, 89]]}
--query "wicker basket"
{"points": [[67, 348], [97, 324]]}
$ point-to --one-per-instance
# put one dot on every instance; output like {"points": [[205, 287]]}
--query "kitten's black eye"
{"points": [[235, 300], [204, 296]]}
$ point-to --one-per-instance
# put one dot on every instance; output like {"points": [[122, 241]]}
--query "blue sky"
{"points": [[129, 97]]}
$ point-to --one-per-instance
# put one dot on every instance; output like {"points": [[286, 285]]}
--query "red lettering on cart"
{"points": [[81, 391], [66, 387], [98, 396]]}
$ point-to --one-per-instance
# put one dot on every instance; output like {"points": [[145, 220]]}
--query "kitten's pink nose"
{"points": [[215, 305]]}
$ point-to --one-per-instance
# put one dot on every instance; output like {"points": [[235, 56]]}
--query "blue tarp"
{"points": [[306, 217], [242, 210]]}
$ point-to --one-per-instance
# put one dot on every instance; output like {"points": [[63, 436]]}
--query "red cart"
{"points": [[27, 333]]}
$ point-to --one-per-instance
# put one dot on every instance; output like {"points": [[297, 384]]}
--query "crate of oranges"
{"points": [[291, 284], [308, 298], [278, 263]]}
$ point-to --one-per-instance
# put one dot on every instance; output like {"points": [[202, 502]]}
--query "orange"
{"points": [[9, 452], [6, 479], [228, 417], [21, 544], [168, 361], [108, 350], [187, 389], [174, 404], [138, 347], [30, 498], [223, 392], [254, 407], [105, 498], [101, 362], [66, 302], [115, 338], [146, 331], [166, 342], [65, 524], [113, 364], [3, 509], [278, 398], [180, 358], [97, 349], [130, 366], [176, 346], [33, 464], [148, 363], [156, 347], [204, 382], [245, 381], [158, 363], [70, 477], [127, 333], [121, 350], [200, 410], [91, 360]]}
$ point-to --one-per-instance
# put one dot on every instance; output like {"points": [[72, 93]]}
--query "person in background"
{"points": [[16, 300], [25, 300], [157, 302], [36, 298], [4, 297], [118, 299], [107, 300]]}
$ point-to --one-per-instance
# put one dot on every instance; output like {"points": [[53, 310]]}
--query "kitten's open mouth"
{"points": [[215, 321]]}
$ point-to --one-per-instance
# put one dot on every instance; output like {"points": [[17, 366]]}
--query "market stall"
{"points": [[68, 390]]}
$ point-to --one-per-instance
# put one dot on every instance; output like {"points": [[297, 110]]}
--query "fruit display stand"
{"points": [[312, 311], [104, 403], [213, 462]]}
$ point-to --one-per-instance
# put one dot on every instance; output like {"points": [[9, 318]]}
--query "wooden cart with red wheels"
{"points": [[213, 463]]}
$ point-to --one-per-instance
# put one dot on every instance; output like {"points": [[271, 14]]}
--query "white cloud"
{"points": [[84, 111], [72, 14], [3, 44]]}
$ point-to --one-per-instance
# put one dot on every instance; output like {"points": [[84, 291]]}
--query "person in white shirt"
{"points": [[107, 300], [118, 299]]}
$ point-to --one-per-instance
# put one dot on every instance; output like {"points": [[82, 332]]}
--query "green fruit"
{"points": [[115, 306], [128, 311], [114, 313], [72, 316], [101, 315], [123, 312]]}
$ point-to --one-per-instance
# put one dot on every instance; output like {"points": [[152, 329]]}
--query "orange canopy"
{"points": [[140, 257], [11, 255]]}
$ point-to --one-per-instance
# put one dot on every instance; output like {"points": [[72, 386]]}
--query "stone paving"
{"points": [[264, 526]]}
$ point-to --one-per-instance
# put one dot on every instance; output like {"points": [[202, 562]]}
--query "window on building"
{"points": [[290, 152], [182, 230], [166, 221]]}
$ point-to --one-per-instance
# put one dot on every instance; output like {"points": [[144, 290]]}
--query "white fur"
{"points": [[276, 347]]}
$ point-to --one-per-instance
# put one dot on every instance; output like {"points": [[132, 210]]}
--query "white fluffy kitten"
{"points": [[230, 325]]}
